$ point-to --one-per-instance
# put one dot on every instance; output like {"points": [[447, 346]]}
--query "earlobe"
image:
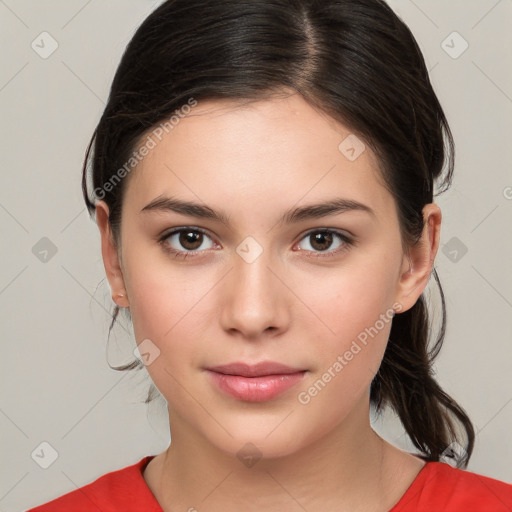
{"points": [[417, 269], [110, 256]]}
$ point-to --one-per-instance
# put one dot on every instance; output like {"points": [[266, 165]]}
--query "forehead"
{"points": [[278, 152]]}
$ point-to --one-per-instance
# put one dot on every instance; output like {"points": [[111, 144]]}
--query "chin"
{"points": [[252, 440]]}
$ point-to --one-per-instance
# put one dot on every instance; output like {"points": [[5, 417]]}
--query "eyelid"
{"points": [[337, 231]]}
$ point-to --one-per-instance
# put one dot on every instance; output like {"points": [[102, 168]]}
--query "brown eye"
{"points": [[186, 240], [322, 241], [190, 240]]}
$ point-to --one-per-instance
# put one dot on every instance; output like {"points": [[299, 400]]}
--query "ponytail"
{"points": [[405, 382]]}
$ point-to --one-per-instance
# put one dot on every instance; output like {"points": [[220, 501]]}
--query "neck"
{"points": [[348, 468]]}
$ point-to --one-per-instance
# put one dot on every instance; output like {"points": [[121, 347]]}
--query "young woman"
{"points": [[263, 182]]}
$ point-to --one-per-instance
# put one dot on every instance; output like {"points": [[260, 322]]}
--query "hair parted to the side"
{"points": [[356, 61]]}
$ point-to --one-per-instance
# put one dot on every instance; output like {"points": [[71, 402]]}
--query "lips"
{"points": [[255, 383], [256, 370]]}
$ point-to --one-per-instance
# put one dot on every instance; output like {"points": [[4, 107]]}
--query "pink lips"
{"points": [[255, 383]]}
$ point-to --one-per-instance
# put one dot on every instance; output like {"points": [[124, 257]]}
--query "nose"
{"points": [[255, 302]]}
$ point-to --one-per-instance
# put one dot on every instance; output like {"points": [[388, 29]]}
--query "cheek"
{"points": [[348, 358], [354, 312], [162, 295], [166, 310], [172, 308], [351, 300]]}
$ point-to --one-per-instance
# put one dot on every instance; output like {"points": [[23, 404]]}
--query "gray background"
{"points": [[56, 386]]}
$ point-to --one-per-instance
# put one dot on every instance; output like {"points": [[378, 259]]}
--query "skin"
{"points": [[254, 162]]}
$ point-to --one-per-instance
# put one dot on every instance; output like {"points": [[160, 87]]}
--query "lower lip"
{"points": [[255, 389]]}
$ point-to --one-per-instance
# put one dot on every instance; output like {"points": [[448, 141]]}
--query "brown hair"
{"points": [[356, 61]]}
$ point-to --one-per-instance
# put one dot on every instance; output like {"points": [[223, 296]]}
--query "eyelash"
{"points": [[347, 243]]}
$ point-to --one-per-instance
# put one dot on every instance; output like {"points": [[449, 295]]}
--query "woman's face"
{"points": [[265, 283]]}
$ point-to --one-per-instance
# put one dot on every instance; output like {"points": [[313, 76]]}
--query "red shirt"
{"points": [[438, 487]]}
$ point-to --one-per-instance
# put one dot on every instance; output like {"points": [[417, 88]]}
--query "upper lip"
{"points": [[255, 370]]}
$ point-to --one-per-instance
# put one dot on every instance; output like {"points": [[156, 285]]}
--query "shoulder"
{"points": [[121, 490], [439, 486]]}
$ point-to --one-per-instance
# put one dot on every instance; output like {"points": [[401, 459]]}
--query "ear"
{"points": [[110, 255], [417, 268]]}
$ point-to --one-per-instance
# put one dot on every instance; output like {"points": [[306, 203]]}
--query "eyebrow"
{"points": [[294, 215]]}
